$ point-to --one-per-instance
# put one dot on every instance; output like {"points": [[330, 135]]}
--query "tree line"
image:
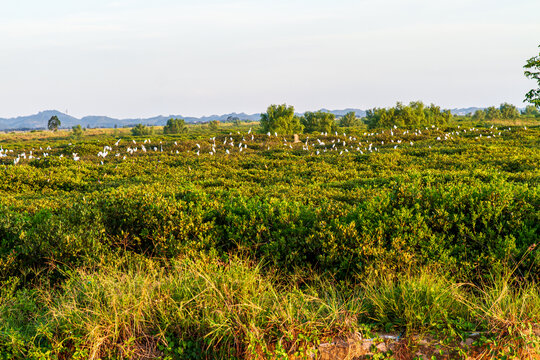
{"points": [[504, 112], [282, 118]]}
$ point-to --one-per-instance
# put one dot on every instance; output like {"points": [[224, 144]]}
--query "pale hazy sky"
{"points": [[135, 58]]}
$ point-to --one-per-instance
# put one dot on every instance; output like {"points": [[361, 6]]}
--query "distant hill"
{"points": [[36, 121], [465, 111], [338, 113], [39, 120]]}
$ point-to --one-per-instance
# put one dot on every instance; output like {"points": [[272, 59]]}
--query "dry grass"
{"points": [[232, 306], [137, 308]]}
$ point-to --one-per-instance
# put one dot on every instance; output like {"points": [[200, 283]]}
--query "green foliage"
{"points": [[467, 202], [509, 111], [141, 130], [214, 124], [479, 115], [281, 119], [415, 114], [349, 120], [77, 131], [175, 126], [492, 113], [110, 257], [54, 123], [531, 110], [318, 121], [415, 302], [504, 112], [533, 72]]}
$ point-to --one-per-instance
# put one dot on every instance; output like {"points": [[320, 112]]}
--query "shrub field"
{"points": [[229, 243]]}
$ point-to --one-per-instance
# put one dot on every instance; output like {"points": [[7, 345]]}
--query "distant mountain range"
{"points": [[39, 120]]}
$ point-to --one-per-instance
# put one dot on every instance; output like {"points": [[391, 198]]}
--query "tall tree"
{"points": [[493, 113], [531, 110], [414, 114], [318, 121], [348, 120], [509, 111], [175, 126], [53, 123], [281, 119], [479, 115], [533, 72]]}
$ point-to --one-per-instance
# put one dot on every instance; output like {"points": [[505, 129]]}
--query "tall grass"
{"points": [[415, 302], [510, 309], [231, 309], [201, 307]]}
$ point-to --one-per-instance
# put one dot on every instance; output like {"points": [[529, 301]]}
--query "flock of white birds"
{"points": [[338, 143]]}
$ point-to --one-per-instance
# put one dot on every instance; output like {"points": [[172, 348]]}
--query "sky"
{"points": [[135, 58]]}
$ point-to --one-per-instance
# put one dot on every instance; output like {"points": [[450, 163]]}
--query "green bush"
{"points": [[141, 130]]}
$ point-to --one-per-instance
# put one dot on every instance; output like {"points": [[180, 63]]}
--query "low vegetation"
{"points": [[229, 242]]}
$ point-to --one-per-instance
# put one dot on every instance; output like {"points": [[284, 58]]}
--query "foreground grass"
{"points": [[200, 307]]}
